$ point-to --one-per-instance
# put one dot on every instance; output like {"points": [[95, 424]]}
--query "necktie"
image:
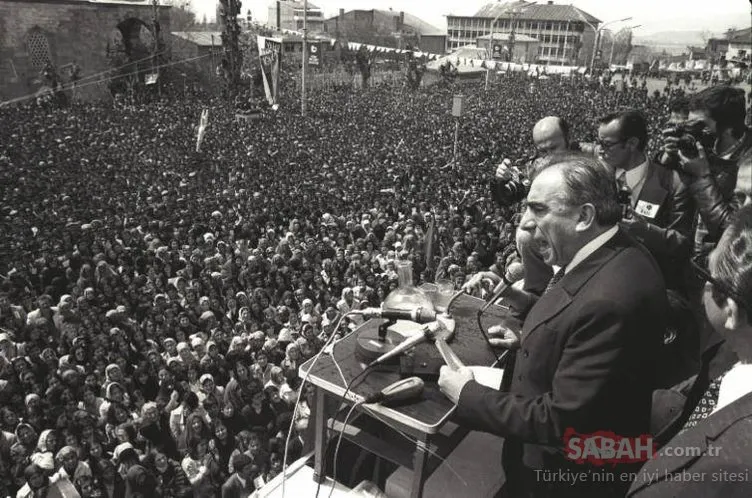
{"points": [[621, 181], [706, 405], [555, 279]]}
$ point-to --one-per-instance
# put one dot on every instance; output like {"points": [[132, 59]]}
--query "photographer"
{"points": [[510, 186], [709, 148]]}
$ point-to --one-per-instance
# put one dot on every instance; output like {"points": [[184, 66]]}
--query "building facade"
{"points": [[524, 48], [73, 36], [740, 46], [386, 28], [289, 15], [566, 34]]}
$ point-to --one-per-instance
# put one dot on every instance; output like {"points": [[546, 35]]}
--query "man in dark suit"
{"points": [[661, 208], [240, 484], [588, 346], [712, 455], [659, 215]]}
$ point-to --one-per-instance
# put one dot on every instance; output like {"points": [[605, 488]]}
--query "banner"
{"points": [[314, 54], [202, 128], [270, 51]]}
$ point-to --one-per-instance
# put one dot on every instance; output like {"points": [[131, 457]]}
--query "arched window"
{"points": [[38, 49]]}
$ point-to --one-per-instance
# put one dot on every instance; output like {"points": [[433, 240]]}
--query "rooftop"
{"points": [[741, 36], [416, 23], [201, 38], [536, 12]]}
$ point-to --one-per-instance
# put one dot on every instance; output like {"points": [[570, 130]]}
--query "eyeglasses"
{"points": [[699, 266], [606, 146]]}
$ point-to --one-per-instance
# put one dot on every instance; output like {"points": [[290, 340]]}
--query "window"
{"points": [[38, 48]]}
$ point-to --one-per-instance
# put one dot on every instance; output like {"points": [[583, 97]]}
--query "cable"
{"points": [[487, 338], [71, 86], [297, 402], [339, 441]]}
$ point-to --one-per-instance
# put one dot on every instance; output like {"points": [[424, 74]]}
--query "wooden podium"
{"points": [[422, 419]]}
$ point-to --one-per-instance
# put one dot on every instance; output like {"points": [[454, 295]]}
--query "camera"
{"points": [[688, 134], [513, 191], [624, 197]]}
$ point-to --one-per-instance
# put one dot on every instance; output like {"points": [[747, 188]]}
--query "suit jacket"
{"points": [[666, 207], [233, 488], [714, 459], [586, 361]]}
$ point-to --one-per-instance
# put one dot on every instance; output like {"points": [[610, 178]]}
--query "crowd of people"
{"points": [[156, 302]]}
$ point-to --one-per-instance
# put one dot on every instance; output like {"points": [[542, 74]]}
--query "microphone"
{"points": [[405, 345], [515, 272], [419, 314]]}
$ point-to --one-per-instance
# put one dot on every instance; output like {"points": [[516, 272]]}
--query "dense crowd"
{"points": [[156, 301]]}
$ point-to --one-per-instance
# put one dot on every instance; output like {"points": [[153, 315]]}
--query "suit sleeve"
{"points": [[580, 384]]}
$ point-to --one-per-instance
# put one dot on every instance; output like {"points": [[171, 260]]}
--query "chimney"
{"points": [[399, 21], [550, 2], [341, 13], [279, 15]]}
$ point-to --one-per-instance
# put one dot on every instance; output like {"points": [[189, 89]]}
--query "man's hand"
{"points": [[503, 337], [475, 284], [451, 381], [697, 167], [504, 170]]}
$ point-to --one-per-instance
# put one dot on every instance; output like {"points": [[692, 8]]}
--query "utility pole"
{"points": [[303, 105], [156, 46]]}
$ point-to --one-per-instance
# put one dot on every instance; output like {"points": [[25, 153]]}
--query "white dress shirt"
{"points": [[734, 385], [591, 247], [635, 179]]}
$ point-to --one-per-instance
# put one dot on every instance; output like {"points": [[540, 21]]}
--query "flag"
{"points": [[202, 128]]}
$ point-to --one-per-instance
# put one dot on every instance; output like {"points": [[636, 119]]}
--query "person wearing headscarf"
{"points": [[114, 393], [71, 467], [48, 442], [154, 427], [209, 388], [27, 437]]}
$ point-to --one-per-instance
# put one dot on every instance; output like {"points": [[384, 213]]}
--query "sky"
{"points": [[653, 15]]}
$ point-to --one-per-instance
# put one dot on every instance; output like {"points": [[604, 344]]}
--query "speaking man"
{"points": [[588, 346]]}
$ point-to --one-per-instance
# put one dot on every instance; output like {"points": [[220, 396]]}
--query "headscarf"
{"points": [[111, 368], [42, 443]]}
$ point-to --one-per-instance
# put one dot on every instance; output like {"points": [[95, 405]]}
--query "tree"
{"points": [[364, 60], [182, 17]]}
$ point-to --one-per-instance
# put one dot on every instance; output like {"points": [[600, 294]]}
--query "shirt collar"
{"points": [[591, 247], [242, 481], [634, 175]]}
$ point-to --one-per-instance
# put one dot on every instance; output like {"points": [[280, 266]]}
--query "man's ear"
{"points": [[736, 316], [586, 218]]}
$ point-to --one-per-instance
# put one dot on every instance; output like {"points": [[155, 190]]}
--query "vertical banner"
{"points": [[270, 51], [314, 54], [202, 128]]}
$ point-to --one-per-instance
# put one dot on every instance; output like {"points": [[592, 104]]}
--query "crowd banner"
{"points": [[202, 128], [270, 51]]}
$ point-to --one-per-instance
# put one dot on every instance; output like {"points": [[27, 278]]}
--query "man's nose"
{"points": [[527, 223]]}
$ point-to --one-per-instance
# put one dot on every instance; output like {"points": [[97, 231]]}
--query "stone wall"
{"points": [[77, 31]]}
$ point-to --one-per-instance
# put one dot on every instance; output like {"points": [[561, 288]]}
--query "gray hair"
{"points": [[586, 181]]}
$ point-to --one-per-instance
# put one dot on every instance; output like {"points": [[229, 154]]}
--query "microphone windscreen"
{"points": [[515, 272]]}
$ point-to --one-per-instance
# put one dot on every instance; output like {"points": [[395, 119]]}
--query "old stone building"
{"points": [[83, 41]]}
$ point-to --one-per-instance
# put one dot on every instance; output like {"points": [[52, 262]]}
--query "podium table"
{"points": [[421, 419]]}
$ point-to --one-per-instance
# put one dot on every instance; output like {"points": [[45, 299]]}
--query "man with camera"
{"points": [[708, 150], [510, 186]]}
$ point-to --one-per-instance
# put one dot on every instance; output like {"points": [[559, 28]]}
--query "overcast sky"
{"points": [[653, 15]]}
